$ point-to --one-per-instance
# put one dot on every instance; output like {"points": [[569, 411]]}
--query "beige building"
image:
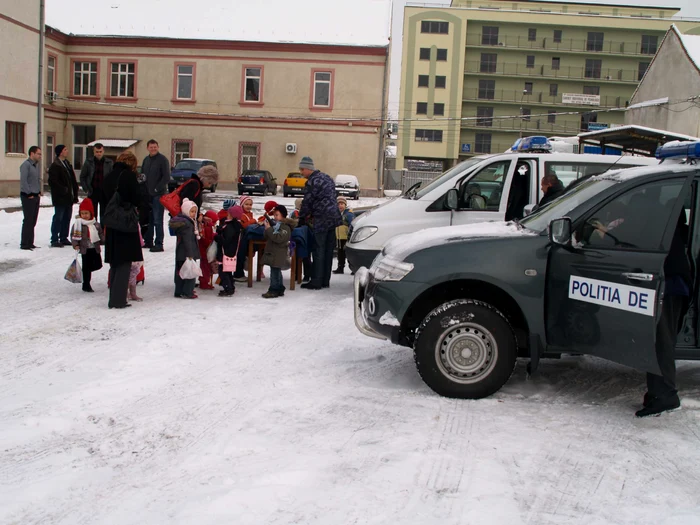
{"points": [[19, 110]]}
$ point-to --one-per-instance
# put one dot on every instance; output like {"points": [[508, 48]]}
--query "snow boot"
{"points": [[658, 406]]}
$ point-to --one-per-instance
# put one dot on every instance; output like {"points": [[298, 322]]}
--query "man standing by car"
{"points": [[30, 194], [552, 188], [64, 193], [156, 168], [320, 209], [92, 176]]}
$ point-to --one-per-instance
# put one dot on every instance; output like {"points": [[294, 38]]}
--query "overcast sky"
{"points": [[328, 21]]}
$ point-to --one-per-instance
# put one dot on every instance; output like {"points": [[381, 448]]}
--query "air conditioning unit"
{"points": [[52, 96], [290, 148]]}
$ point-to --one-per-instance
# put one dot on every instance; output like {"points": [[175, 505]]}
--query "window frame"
{"points": [[554, 90], [443, 78], [491, 66], [434, 27], [331, 88], [15, 140], [176, 83], [525, 114], [421, 52], [173, 154], [437, 56], [97, 72], [258, 145], [83, 147], [439, 109], [587, 68], [594, 44], [50, 153], [640, 75], [428, 135], [420, 106], [484, 120], [110, 63], [551, 116], [532, 34], [646, 45], [591, 88], [557, 61], [528, 88], [487, 90], [490, 40], [558, 39], [244, 81], [530, 61], [482, 143], [54, 76], [426, 78]]}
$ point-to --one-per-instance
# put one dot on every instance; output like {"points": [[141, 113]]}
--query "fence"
{"points": [[404, 179]]}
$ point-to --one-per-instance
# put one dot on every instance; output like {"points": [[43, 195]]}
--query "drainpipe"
{"points": [[380, 156], [40, 83]]}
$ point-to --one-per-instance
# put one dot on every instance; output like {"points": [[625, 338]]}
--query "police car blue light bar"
{"points": [[679, 149], [530, 144]]}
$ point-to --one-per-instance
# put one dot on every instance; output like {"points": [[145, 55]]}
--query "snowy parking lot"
{"points": [[251, 411]]}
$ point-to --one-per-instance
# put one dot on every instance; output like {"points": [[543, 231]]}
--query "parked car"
{"points": [[257, 181], [183, 171], [294, 184], [347, 186]]}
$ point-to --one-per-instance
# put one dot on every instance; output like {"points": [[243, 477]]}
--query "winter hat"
{"points": [[187, 205], [236, 212], [269, 206], [86, 205], [343, 200], [58, 149], [243, 199], [297, 204], [282, 209], [307, 163], [212, 215], [209, 175], [223, 214]]}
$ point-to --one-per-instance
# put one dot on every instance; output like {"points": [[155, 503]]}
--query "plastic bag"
{"points": [[74, 274], [211, 252], [190, 270]]}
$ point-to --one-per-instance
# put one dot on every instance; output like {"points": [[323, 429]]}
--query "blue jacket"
{"points": [[320, 203]]}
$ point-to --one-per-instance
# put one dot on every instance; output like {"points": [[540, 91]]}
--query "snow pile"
{"points": [[691, 43], [632, 173]]}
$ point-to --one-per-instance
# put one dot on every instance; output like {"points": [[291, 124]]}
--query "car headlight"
{"points": [[389, 269], [363, 233]]}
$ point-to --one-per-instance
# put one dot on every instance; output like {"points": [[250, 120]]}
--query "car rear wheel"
{"points": [[465, 349], [266, 192], [274, 192]]}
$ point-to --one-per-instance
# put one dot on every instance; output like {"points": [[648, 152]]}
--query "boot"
{"points": [[132, 294], [339, 271], [658, 405]]}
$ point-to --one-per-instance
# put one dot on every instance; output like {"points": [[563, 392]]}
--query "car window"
{"points": [[188, 165], [567, 172], [459, 169], [636, 219], [484, 190]]}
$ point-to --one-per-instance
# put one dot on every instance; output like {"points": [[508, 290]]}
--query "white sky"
{"points": [[346, 22]]}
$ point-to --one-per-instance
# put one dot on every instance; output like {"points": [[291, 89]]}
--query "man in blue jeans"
{"points": [[156, 168], [320, 209], [64, 193]]}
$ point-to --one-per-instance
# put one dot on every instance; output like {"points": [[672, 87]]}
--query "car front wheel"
{"points": [[465, 349]]}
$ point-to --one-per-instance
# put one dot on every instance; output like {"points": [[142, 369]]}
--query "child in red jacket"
{"points": [[206, 237]]}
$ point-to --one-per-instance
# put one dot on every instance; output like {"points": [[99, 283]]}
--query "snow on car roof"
{"points": [[403, 245], [625, 174], [198, 160]]}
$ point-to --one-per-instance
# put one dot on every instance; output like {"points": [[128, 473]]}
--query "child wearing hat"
{"points": [[87, 237], [206, 232], [228, 238], [341, 232], [183, 226], [276, 254]]}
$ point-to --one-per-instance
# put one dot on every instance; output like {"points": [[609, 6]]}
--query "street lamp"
{"points": [[525, 92]]}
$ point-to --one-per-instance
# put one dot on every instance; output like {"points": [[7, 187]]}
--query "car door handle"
{"points": [[648, 277]]}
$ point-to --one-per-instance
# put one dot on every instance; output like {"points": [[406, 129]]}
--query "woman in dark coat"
{"points": [[206, 177], [122, 248]]}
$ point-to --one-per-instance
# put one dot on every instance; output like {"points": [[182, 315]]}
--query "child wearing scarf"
{"points": [[87, 237]]}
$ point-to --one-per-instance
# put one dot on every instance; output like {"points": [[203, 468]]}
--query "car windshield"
{"points": [[449, 174], [540, 219], [188, 164], [294, 175]]}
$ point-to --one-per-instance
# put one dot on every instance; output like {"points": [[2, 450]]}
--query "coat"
{"points": [[187, 247], [64, 187], [87, 172], [228, 239], [320, 203], [341, 232], [554, 191], [193, 191], [84, 242], [277, 244], [122, 247]]}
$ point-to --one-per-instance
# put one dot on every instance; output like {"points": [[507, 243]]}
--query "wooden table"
{"points": [[257, 246]]}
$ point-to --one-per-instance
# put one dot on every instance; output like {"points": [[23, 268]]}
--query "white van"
{"points": [[490, 188]]}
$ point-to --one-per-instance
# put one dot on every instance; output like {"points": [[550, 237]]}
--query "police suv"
{"points": [[582, 275], [489, 188]]}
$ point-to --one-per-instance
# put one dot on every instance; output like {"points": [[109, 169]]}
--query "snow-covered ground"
{"points": [[250, 411]]}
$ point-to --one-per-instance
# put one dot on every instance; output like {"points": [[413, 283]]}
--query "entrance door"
{"points": [[603, 295]]}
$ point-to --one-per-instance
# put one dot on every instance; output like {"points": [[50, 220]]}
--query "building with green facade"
{"points": [[477, 75]]}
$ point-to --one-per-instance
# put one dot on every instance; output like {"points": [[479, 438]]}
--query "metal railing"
{"points": [[564, 72], [534, 125], [537, 97], [404, 179], [582, 45]]}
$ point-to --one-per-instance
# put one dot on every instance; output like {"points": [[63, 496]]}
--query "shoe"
{"points": [[56, 245], [30, 248], [127, 305], [148, 246], [309, 286], [156, 249], [648, 398], [35, 247], [206, 287], [306, 279], [242, 279], [177, 295], [88, 289], [325, 286], [193, 296], [66, 243], [339, 271], [224, 293], [270, 295], [658, 406]]}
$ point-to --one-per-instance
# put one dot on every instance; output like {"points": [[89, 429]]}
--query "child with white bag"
{"points": [[187, 268]]}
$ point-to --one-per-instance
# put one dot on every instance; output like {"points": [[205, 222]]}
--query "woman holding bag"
{"points": [[122, 248]]}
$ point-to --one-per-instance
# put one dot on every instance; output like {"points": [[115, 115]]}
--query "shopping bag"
{"points": [[190, 270], [211, 252], [74, 274], [229, 263]]}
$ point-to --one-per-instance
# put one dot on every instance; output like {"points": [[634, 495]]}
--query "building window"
{"points": [[556, 63], [82, 136], [551, 116], [51, 73], [553, 90], [525, 113], [85, 79], [323, 89], [484, 117], [428, 135], [424, 53], [423, 80], [558, 36], [482, 143], [123, 79], [442, 55], [49, 151], [643, 66], [527, 90], [438, 109], [248, 156], [591, 90], [487, 89], [531, 34], [182, 149], [14, 137], [422, 108], [489, 36], [593, 68], [184, 82], [649, 44], [530, 61], [488, 62], [595, 41], [440, 82], [252, 84], [434, 27]]}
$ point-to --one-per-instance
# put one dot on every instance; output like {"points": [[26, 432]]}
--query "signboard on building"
{"points": [[579, 99], [466, 148], [423, 165], [597, 126]]}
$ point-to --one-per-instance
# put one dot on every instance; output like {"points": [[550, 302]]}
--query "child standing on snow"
{"points": [[183, 225], [227, 239], [206, 232], [133, 275], [87, 236], [276, 254], [341, 232]]}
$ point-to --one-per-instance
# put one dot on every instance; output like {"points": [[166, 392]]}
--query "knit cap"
{"points": [[86, 205], [187, 205], [343, 200], [282, 209], [269, 206], [236, 212], [307, 163]]}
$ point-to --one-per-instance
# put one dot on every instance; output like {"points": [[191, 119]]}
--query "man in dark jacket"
{"points": [[92, 178], [30, 194], [157, 170], [552, 188], [320, 209], [64, 193]]}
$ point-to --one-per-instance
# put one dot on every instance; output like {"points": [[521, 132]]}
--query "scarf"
{"points": [[93, 236]]}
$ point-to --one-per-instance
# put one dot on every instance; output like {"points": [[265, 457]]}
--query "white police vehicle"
{"points": [[490, 188]]}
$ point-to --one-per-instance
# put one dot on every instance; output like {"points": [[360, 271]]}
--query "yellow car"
{"points": [[294, 184]]}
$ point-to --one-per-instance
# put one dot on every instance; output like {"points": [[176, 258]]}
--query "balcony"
{"points": [[535, 125], [626, 76], [471, 95], [571, 45]]}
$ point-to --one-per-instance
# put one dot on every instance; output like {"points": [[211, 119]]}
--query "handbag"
{"points": [[74, 274], [229, 263], [120, 216], [172, 202]]}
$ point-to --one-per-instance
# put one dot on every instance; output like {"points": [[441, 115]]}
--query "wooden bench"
{"points": [[257, 246]]}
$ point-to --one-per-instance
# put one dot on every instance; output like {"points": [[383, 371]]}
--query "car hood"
{"points": [[404, 245]]}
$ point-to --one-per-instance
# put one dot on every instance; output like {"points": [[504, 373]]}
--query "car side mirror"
{"points": [[452, 199], [560, 231], [529, 209]]}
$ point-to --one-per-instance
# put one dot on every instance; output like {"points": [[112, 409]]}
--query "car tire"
{"points": [[465, 349], [285, 194], [266, 192], [274, 192]]}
